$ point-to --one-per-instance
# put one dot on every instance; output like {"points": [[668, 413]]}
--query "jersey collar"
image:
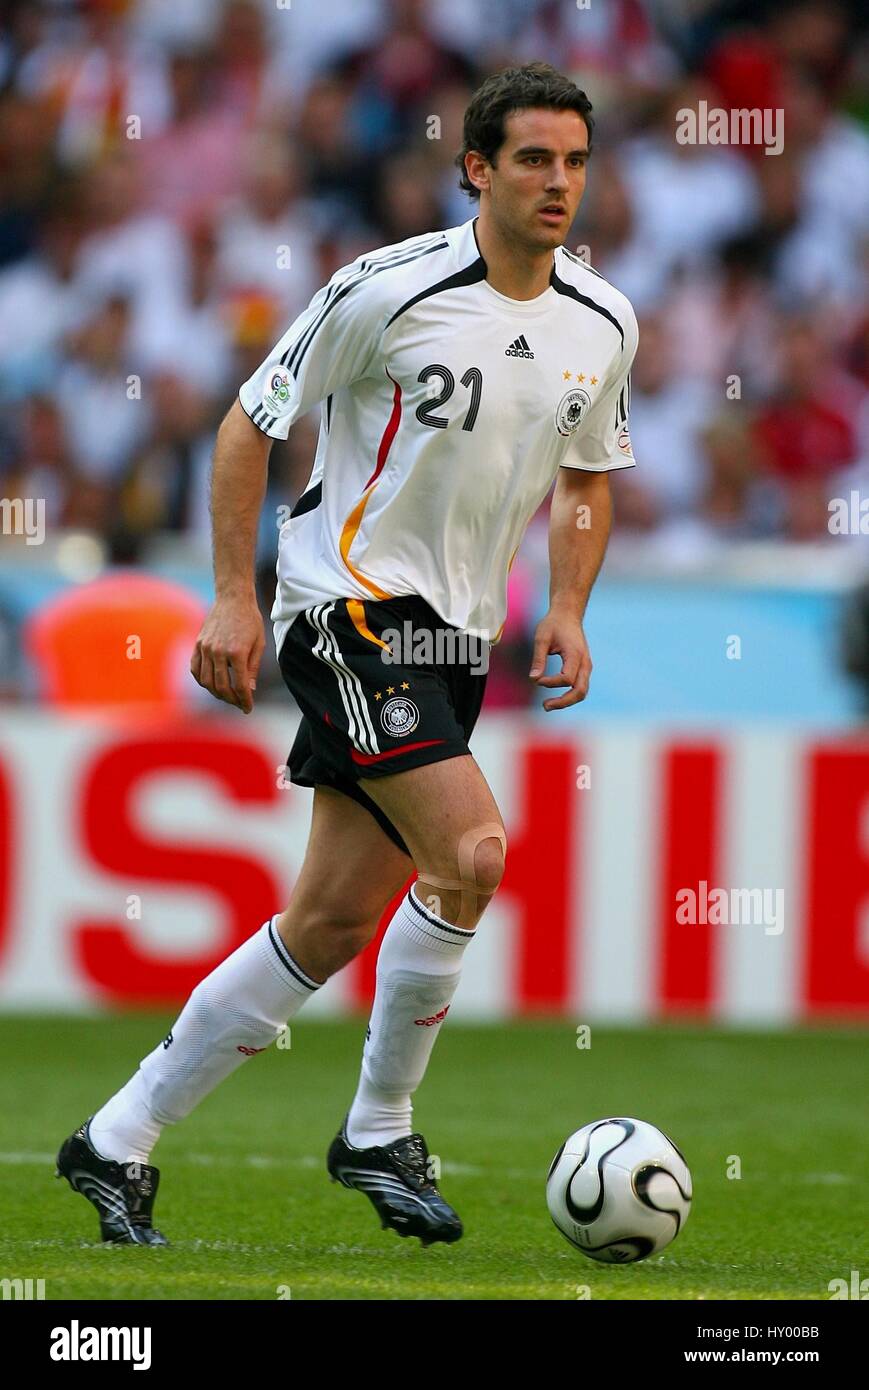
{"points": [[519, 306]]}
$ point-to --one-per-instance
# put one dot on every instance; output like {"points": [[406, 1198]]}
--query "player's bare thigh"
{"points": [[448, 817], [350, 872]]}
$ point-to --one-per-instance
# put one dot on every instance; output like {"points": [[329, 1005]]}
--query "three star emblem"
{"points": [[390, 690]]}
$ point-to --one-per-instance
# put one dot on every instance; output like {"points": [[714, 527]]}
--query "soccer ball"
{"points": [[619, 1190]]}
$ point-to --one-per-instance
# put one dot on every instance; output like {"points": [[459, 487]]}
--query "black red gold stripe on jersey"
{"points": [[351, 526]]}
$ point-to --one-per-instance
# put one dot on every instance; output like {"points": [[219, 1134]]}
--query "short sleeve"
{"points": [[331, 344], [603, 440]]}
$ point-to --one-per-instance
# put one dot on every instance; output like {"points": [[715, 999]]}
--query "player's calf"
{"points": [[329, 933]]}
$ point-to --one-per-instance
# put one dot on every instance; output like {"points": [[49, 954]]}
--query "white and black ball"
{"points": [[619, 1190]]}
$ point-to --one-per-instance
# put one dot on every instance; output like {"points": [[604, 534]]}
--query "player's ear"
{"points": [[477, 170]]}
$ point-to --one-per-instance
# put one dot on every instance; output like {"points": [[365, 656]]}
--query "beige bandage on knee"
{"points": [[467, 884]]}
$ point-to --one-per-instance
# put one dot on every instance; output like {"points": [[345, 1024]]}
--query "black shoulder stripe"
{"points": [[292, 358], [578, 260], [367, 263], [558, 284], [469, 276]]}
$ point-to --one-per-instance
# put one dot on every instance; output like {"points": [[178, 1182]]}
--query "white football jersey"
{"points": [[448, 410]]}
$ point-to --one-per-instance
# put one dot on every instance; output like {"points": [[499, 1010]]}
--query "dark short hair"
{"points": [[515, 89]]}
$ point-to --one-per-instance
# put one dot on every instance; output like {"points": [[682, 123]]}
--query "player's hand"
{"points": [[561, 633], [228, 651]]}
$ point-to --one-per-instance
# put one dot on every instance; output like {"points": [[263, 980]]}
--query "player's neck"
{"points": [[512, 270]]}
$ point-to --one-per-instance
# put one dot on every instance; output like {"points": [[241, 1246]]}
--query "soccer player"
{"points": [[460, 374]]}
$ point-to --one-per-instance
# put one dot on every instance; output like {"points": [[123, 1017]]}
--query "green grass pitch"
{"points": [[247, 1204]]}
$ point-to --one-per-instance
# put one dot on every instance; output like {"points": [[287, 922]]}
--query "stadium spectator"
{"points": [[806, 429], [157, 490], [448, 104], [26, 173], [189, 335], [668, 411], [607, 225], [267, 242], [407, 201], [336, 173], [687, 198], [42, 297], [127, 248], [39, 462], [722, 323], [188, 169], [393, 77], [105, 414], [90, 72], [816, 249]]}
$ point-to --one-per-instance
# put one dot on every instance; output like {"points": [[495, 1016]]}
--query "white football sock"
{"points": [[234, 1012], [418, 970]]}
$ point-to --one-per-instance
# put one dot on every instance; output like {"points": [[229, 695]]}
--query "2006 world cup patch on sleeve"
{"points": [[278, 391]]}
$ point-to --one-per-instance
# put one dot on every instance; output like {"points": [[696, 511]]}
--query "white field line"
{"points": [[464, 1170]]}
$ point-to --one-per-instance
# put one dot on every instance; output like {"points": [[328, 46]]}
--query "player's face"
{"points": [[538, 181]]}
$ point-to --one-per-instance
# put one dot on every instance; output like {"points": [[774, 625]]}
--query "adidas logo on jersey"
{"points": [[519, 349]]}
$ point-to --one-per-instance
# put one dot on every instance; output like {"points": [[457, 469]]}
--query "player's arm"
{"points": [[579, 526], [580, 517], [331, 344], [229, 647]]}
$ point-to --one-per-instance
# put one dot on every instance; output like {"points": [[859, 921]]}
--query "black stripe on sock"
{"points": [[287, 960], [443, 926]]}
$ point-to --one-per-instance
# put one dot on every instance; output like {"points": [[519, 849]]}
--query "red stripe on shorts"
{"points": [[366, 758]]}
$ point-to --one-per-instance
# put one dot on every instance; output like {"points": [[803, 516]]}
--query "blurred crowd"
{"points": [[178, 178]]}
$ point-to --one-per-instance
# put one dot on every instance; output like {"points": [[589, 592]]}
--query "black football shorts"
{"points": [[366, 713]]}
